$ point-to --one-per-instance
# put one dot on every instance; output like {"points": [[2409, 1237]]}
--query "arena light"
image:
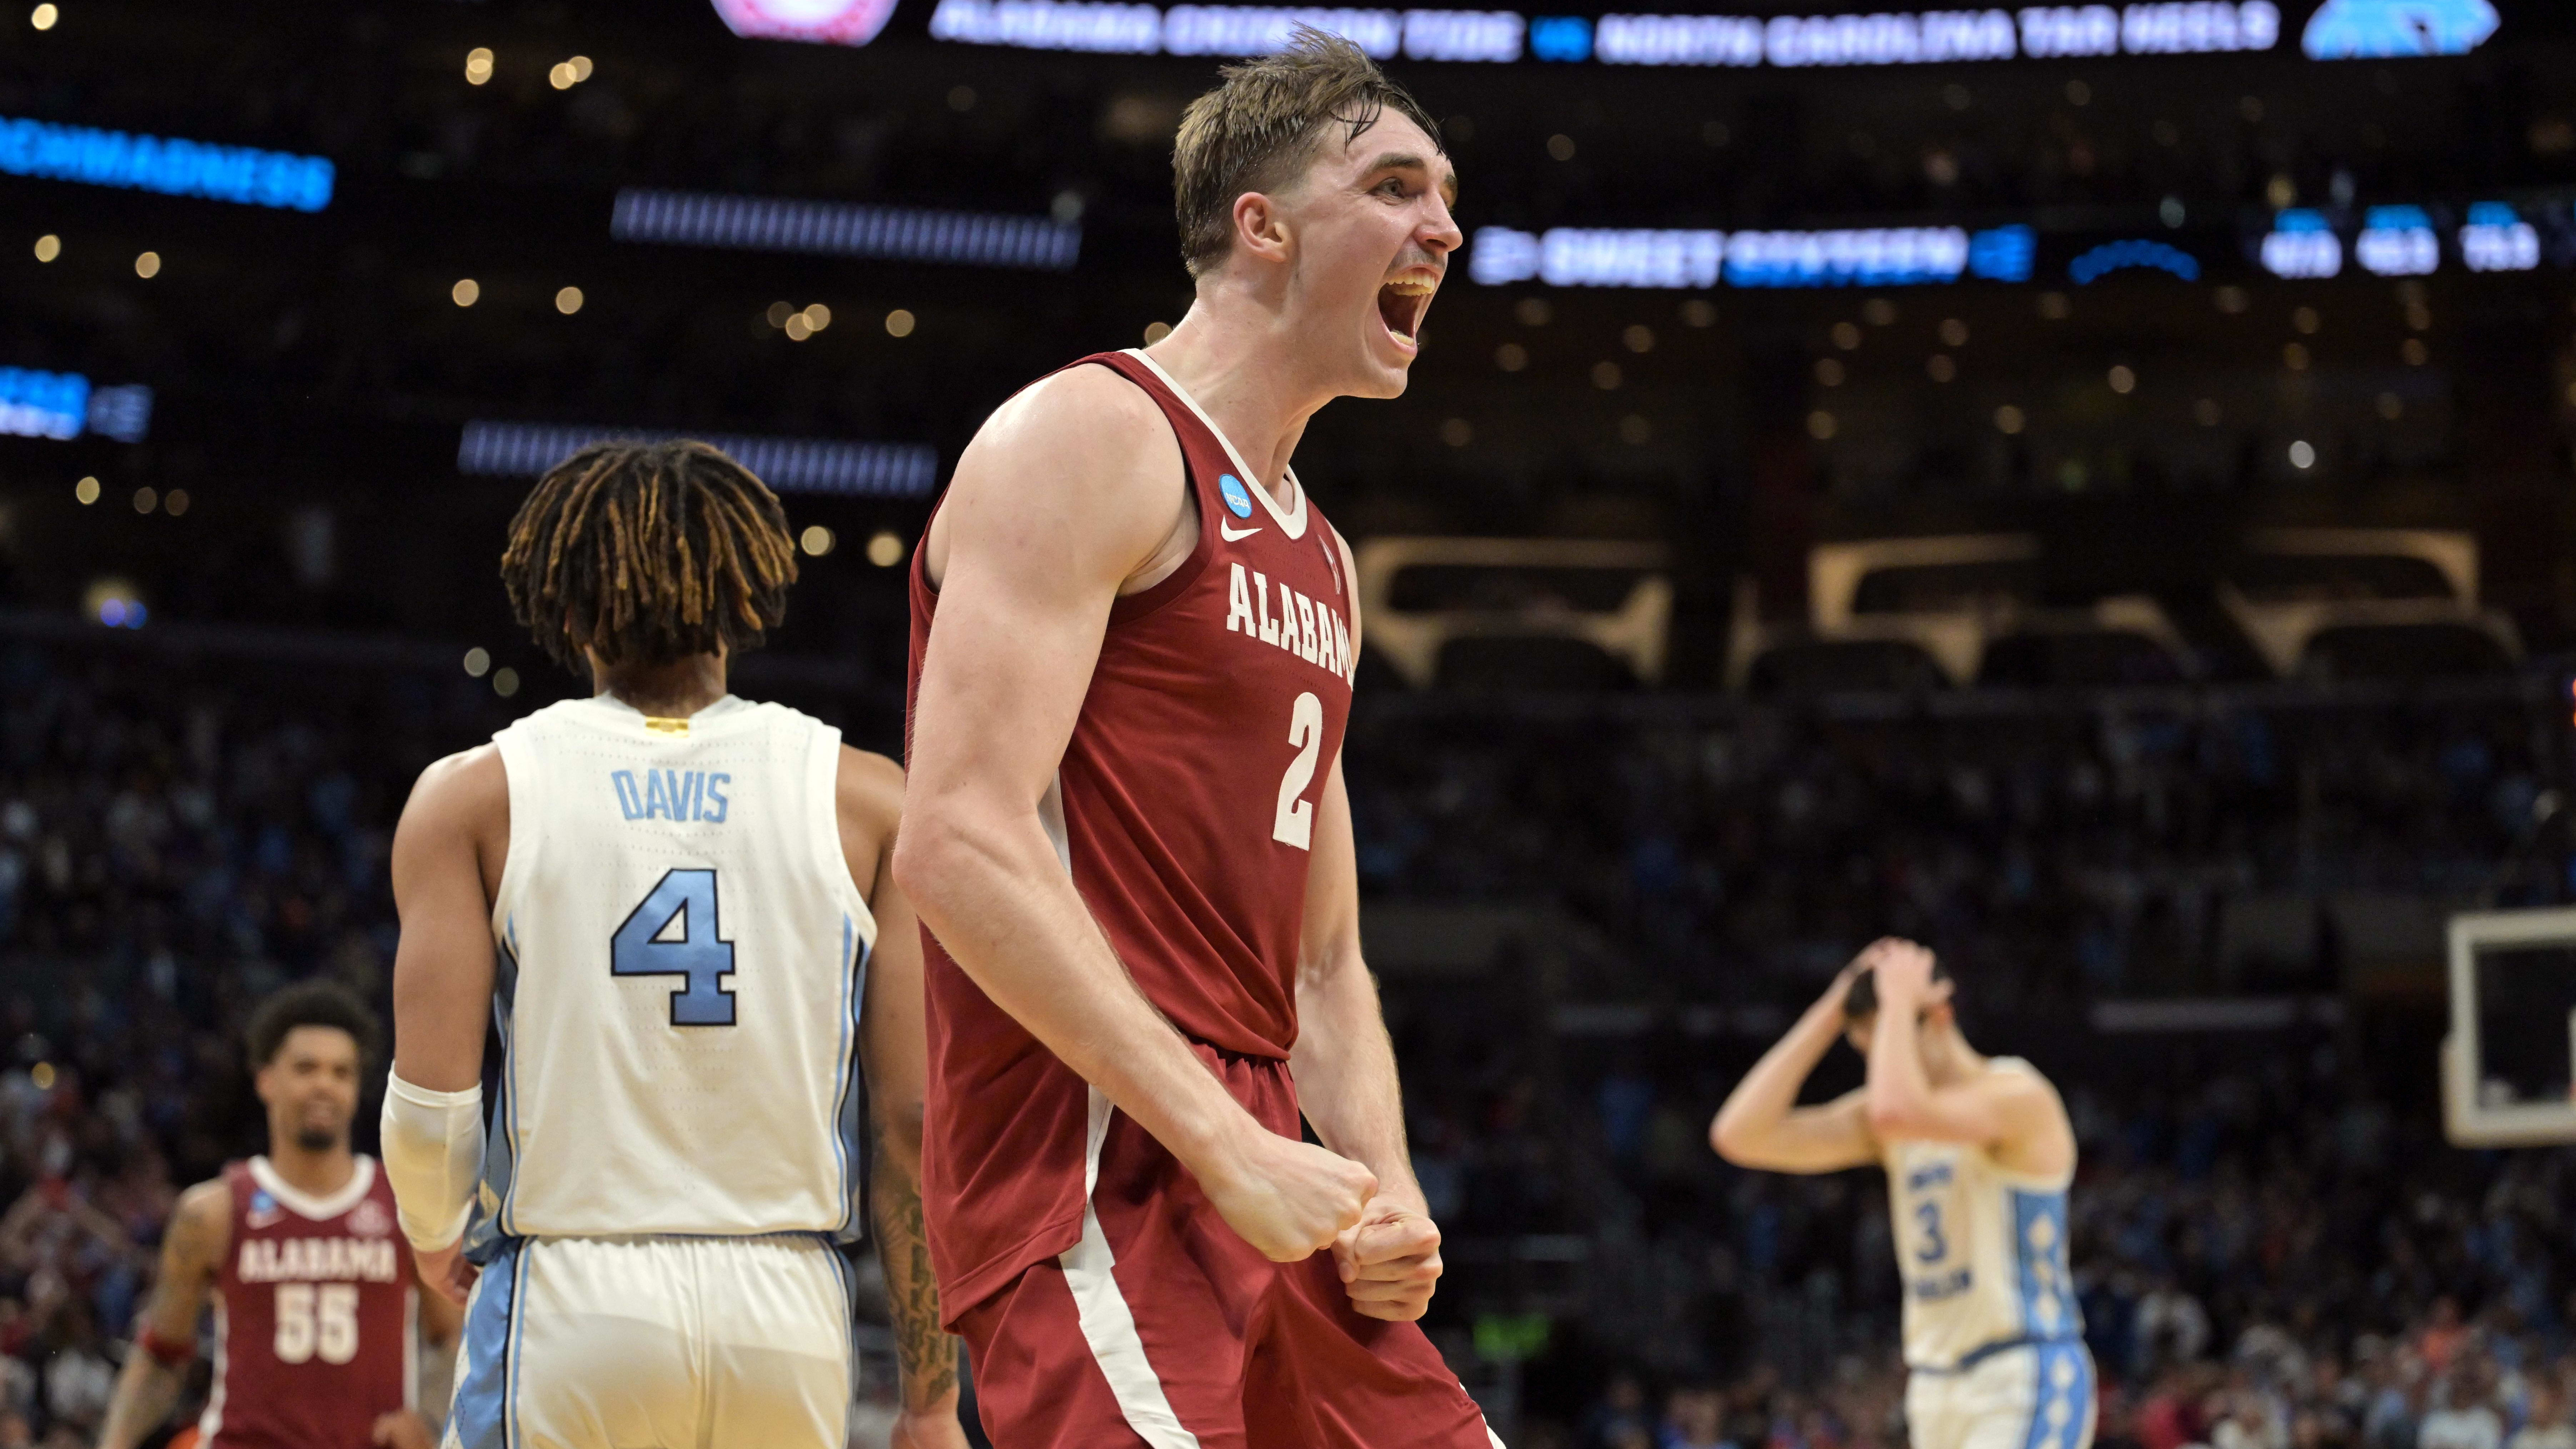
{"points": [[790, 465], [168, 165], [2397, 241], [891, 233], [2301, 245], [63, 406], [831, 22], [2389, 29], [1882, 256], [2113, 256], [2497, 239]]}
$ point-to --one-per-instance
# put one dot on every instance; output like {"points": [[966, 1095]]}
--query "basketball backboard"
{"points": [[2510, 1058]]}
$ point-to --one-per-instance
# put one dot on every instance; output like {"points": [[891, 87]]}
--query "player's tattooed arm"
{"points": [[156, 1366], [895, 1050], [927, 1352]]}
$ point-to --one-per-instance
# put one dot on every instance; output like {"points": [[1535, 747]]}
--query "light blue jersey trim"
{"points": [[485, 1230], [2062, 1403], [483, 1400], [845, 1097], [2048, 1308], [510, 1079]]}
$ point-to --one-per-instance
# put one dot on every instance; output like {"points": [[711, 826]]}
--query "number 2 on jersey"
{"points": [[1295, 823], [644, 946]]}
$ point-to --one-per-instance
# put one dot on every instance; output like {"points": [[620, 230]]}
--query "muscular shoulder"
{"points": [[1082, 468], [463, 787], [1085, 406], [201, 1224]]}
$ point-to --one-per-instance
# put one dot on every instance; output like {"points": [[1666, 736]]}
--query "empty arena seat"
{"points": [[1970, 604], [1515, 612], [2366, 603]]}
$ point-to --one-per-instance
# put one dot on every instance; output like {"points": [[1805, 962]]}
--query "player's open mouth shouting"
{"points": [[1404, 301]]}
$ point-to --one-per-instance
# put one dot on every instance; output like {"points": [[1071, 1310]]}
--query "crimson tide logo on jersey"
{"points": [[370, 1220], [830, 22]]}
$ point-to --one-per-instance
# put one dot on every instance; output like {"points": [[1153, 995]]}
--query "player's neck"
{"points": [[315, 1174], [675, 690], [1236, 358], [1950, 1061]]}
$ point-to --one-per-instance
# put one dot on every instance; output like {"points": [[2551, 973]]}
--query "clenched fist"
{"points": [[1389, 1261], [1288, 1198]]}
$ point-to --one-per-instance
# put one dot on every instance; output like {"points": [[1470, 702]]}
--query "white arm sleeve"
{"points": [[433, 1146]]}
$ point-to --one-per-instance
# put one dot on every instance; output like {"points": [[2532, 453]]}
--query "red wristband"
{"points": [[167, 1353]]}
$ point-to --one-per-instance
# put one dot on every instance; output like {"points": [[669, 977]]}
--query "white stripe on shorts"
{"points": [[1107, 1324]]}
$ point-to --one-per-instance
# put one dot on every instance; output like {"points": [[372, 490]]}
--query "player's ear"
{"points": [[1260, 226]]}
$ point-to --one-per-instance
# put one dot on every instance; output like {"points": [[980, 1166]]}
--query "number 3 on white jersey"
{"points": [[1295, 824]]}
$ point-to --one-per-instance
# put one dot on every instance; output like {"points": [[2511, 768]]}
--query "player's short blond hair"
{"points": [[1259, 129]]}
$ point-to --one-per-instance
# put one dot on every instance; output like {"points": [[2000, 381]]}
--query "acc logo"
{"points": [[264, 1212], [2356, 29], [370, 1220], [831, 22], [1238, 500]]}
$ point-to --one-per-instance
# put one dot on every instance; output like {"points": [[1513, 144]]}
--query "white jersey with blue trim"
{"points": [[1980, 1248], [681, 953]]}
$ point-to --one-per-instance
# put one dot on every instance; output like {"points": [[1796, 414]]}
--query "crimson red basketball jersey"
{"points": [[1187, 800], [315, 1318]]}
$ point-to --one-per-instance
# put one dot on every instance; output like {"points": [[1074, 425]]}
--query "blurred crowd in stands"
{"points": [[2276, 1250]]}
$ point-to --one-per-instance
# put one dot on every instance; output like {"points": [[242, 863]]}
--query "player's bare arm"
{"points": [[192, 1252], [1345, 1067], [1761, 1124], [449, 848], [1346, 1081], [1069, 496], [2015, 1115], [893, 1048]]}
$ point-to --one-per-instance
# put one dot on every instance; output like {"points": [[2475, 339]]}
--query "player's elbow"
{"points": [[928, 857], [1734, 1138], [1889, 1116]]}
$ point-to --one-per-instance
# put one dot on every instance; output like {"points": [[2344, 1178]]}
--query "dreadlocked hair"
{"points": [[646, 553]]}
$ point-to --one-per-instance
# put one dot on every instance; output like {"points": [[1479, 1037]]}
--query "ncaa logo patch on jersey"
{"points": [[1238, 499], [264, 1212]]}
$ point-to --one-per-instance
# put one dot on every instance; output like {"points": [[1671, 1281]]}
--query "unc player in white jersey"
{"points": [[677, 908], [1979, 1155]]}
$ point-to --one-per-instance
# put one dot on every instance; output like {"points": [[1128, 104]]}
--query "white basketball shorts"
{"points": [[2031, 1396], [707, 1343]]}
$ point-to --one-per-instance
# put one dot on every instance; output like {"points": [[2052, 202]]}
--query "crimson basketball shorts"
{"points": [[1162, 1329]]}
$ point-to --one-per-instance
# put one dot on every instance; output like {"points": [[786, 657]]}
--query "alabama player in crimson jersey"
{"points": [[318, 1320], [1128, 835]]}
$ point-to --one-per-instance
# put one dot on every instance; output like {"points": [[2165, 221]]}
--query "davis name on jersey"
{"points": [[696, 795]]}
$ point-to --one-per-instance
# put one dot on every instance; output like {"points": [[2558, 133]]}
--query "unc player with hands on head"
{"points": [[677, 907], [1127, 829], [319, 1323], [1979, 1155]]}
